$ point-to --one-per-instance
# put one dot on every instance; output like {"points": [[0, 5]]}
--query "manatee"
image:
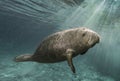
{"points": [[63, 45]]}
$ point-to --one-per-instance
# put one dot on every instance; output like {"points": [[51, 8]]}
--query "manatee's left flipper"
{"points": [[69, 54]]}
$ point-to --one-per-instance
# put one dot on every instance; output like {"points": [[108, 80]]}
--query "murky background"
{"points": [[24, 23]]}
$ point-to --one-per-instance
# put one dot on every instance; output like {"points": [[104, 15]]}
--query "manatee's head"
{"points": [[88, 37]]}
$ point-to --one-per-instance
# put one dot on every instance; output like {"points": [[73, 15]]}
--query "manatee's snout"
{"points": [[93, 38], [95, 42], [98, 39]]}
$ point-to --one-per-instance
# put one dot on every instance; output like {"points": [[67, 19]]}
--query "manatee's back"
{"points": [[55, 45], [50, 49]]}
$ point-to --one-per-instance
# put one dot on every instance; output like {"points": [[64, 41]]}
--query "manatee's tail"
{"points": [[24, 57]]}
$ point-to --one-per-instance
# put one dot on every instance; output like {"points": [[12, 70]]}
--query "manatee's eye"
{"points": [[83, 28]]}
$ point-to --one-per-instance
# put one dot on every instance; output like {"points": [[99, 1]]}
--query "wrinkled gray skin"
{"points": [[62, 46]]}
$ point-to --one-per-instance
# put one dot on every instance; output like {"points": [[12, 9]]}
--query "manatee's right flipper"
{"points": [[69, 54]]}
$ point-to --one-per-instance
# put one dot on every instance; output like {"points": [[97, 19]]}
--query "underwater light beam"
{"points": [[96, 14]]}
